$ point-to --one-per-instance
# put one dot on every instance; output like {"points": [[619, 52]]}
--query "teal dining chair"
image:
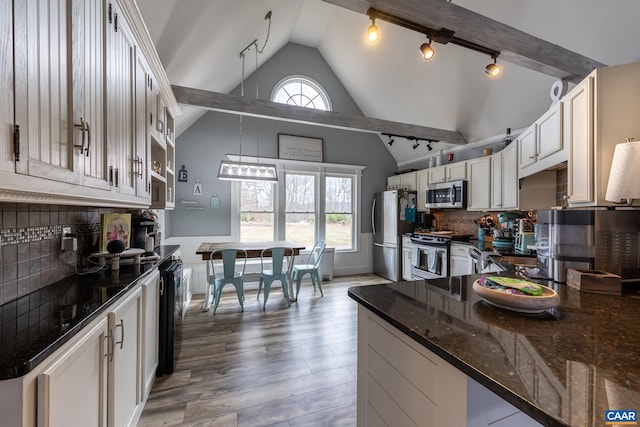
{"points": [[229, 274], [310, 267], [280, 262]]}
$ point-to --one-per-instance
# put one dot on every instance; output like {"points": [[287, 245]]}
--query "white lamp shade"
{"points": [[624, 178]]}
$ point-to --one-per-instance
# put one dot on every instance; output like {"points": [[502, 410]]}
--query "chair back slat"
{"points": [[280, 258]]}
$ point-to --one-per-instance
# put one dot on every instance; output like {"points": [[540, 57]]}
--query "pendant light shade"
{"points": [[245, 171]]}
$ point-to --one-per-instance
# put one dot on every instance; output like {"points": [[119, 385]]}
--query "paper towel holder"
{"points": [[623, 176]]}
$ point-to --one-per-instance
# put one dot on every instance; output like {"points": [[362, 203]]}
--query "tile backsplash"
{"points": [[30, 236]]}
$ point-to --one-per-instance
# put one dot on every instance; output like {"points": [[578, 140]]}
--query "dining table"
{"points": [[254, 250]]}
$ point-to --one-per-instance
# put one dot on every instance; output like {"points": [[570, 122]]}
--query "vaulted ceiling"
{"points": [[198, 42]]}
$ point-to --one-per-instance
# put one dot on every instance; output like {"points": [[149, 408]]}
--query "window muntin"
{"points": [[301, 91], [256, 211]]}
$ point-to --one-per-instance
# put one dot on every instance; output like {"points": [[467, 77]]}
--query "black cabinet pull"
{"points": [[115, 25], [110, 175], [110, 13], [16, 142]]}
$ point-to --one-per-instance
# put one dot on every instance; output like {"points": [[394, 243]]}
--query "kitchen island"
{"points": [[471, 361]]}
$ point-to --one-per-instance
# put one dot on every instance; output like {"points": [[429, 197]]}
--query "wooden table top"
{"points": [[254, 249]]}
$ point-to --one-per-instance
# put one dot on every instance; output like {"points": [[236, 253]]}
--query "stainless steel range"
{"points": [[430, 256]]}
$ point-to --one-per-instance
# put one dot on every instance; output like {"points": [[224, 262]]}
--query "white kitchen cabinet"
{"points": [[141, 152], [433, 393], [423, 184], [408, 181], [459, 260], [504, 178], [6, 86], [437, 175], [163, 155], [406, 258], [456, 171], [542, 144], [599, 112], [59, 91], [393, 182], [150, 306], [479, 185], [121, 79], [72, 391], [125, 394], [75, 104], [447, 173]]}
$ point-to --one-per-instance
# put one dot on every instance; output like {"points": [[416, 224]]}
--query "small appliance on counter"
{"points": [[596, 239], [525, 239], [145, 234]]}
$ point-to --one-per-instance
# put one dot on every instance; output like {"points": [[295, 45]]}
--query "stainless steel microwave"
{"points": [[447, 195]]}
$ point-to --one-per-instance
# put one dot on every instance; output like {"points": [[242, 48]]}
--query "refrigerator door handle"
{"points": [[373, 216], [385, 245]]}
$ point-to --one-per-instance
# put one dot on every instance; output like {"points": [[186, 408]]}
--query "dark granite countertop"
{"points": [[565, 366], [37, 324]]}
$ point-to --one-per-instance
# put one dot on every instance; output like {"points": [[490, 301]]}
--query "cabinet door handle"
{"points": [[88, 130], [110, 13], [16, 142], [121, 342], [115, 25], [83, 127], [110, 175], [117, 181]]}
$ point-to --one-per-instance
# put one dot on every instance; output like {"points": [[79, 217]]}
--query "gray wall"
{"points": [[201, 147]]}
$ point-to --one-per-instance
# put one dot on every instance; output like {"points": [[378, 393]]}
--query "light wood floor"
{"points": [[286, 366]]}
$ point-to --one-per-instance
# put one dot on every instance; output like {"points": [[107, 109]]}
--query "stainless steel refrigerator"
{"points": [[392, 214]]}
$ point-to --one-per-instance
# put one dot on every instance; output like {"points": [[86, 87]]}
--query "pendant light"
{"points": [[249, 171]]}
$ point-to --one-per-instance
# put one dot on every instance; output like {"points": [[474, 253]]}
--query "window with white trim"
{"points": [[301, 91], [303, 206]]}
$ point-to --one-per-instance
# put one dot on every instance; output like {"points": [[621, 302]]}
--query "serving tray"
{"points": [[519, 303]]}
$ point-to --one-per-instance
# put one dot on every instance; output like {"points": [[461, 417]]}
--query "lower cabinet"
{"points": [[103, 376], [401, 383], [125, 395], [73, 390]]}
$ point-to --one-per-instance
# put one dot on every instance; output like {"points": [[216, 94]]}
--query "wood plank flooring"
{"points": [[283, 367]]}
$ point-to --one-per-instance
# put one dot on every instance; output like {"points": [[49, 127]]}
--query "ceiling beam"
{"points": [[515, 46], [234, 104]]}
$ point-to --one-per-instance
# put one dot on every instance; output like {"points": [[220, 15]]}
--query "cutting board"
{"points": [[595, 281]]}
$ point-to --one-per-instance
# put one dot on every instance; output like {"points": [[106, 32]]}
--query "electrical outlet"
{"points": [[68, 243], [66, 231]]}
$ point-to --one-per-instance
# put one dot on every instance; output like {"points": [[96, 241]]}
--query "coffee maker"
{"points": [[143, 229], [596, 239], [427, 222], [525, 238]]}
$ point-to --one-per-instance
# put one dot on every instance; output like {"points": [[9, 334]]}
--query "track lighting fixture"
{"points": [[429, 146], [416, 145], [494, 69], [442, 36], [416, 140], [391, 141], [426, 50], [373, 33]]}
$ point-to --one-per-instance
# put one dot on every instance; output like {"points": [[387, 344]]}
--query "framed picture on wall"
{"points": [[293, 147]]}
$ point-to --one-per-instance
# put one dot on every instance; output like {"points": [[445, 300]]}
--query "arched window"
{"points": [[301, 91]]}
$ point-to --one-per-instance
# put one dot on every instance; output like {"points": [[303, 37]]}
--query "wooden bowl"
{"points": [[519, 303]]}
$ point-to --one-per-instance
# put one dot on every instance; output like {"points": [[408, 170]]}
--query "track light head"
{"points": [[494, 69], [373, 33], [429, 146], [426, 50], [391, 141], [416, 145]]}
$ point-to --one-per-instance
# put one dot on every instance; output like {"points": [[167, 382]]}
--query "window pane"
{"points": [[300, 228], [339, 230], [300, 193], [256, 227], [338, 194], [256, 196]]}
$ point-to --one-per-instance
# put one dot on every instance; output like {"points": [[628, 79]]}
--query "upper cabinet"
{"points": [[447, 173], [504, 179], [406, 181], [599, 112], [542, 144], [75, 129], [6, 86], [479, 185]]}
